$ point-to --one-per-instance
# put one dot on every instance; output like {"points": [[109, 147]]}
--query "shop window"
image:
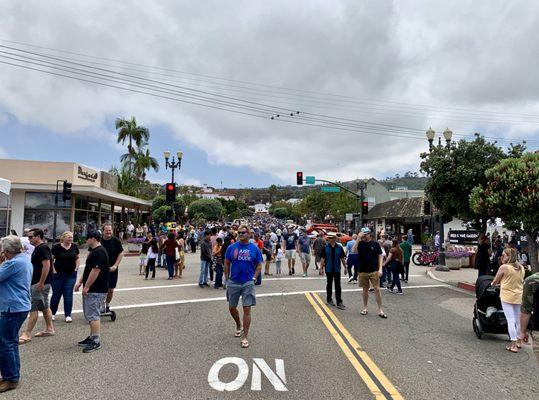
{"points": [[41, 200], [81, 202], [44, 219], [80, 228]]}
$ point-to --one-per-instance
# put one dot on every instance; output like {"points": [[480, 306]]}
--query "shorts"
{"points": [[527, 296], [367, 279], [40, 299], [352, 260], [305, 258], [290, 254], [113, 279], [245, 290], [92, 304]]}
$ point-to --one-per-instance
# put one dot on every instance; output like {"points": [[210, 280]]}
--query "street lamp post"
{"points": [[361, 184], [448, 134], [173, 164]]}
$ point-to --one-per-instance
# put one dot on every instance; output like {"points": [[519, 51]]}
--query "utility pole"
{"points": [[361, 189]]}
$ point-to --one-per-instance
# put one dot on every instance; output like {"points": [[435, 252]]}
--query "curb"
{"points": [[467, 286]]}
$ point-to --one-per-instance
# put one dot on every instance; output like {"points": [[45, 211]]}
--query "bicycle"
{"points": [[424, 258]]}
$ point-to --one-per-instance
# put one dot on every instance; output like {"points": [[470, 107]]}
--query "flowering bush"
{"points": [[138, 240], [457, 254]]}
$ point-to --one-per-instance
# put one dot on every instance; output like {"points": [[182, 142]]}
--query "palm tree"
{"points": [[130, 131], [144, 162]]}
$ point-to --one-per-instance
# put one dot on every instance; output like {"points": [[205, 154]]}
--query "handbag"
{"points": [[177, 254]]}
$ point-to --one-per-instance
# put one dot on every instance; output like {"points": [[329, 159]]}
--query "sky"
{"points": [[355, 83]]}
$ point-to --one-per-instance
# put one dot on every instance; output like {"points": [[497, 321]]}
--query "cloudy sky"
{"points": [[367, 77]]}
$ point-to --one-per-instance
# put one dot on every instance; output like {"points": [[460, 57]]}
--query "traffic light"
{"points": [[365, 207], [426, 207], [299, 178], [66, 192], [170, 192]]}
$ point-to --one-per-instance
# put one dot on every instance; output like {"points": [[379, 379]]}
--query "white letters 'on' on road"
{"points": [[277, 378]]}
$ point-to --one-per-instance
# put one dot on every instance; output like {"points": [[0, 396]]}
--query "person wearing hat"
{"points": [[95, 284], [332, 257], [370, 268]]}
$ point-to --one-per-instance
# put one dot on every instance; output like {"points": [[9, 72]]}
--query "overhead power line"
{"points": [[76, 70]]}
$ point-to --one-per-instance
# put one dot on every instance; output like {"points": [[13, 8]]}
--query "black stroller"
{"points": [[488, 316]]}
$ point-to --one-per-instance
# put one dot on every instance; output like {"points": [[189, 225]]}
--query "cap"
{"points": [[365, 230], [96, 234], [331, 235]]}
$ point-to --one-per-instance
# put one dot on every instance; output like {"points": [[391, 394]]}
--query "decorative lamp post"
{"points": [[430, 137], [173, 164], [448, 135]]}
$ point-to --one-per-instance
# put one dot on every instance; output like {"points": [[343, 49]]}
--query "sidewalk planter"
{"points": [[134, 245], [472, 260], [452, 263]]}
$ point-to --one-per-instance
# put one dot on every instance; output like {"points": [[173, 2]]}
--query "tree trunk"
{"points": [[533, 250]]}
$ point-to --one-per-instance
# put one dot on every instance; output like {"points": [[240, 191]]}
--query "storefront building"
{"points": [[95, 199]]}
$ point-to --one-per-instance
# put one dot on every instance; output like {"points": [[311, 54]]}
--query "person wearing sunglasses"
{"points": [[243, 265]]}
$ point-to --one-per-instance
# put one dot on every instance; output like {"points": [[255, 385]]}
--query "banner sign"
{"points": [[463, 237]]}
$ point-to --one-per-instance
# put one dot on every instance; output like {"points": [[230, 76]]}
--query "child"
{"points": [[143, 255], [218, 261], [278, 260]]}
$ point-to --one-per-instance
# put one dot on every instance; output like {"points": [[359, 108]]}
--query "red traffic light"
{"points": [[170, 186], [299, 178]]}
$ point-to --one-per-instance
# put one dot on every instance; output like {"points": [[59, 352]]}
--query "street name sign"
{"points": [[331, 189], [309, 180]]}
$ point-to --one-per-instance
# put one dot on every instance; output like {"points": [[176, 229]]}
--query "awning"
{"points": [[5, 186]]}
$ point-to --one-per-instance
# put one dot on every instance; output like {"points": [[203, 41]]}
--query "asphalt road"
{"points": [[426, 348]]}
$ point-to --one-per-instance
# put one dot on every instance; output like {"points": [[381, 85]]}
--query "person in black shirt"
{"points": [[370, 268], [66, 265], [41, 286], [482, 258], [331, 258], [95, 283], [115, 252]]}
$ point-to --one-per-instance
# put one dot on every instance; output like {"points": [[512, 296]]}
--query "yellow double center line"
{"points": [[369, 372]]}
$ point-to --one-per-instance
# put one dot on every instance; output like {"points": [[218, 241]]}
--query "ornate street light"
{"points": [[430, 137], [448, 135], [173, 164]]}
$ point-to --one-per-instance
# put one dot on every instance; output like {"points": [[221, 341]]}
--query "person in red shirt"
{"points": [[169, 249]]}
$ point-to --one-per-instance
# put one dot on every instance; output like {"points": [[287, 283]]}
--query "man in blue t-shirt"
{"points": [[243, 263], [289, 243], [304, 250]]}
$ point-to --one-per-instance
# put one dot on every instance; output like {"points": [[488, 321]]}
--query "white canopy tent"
{"points": [[5, 186]]}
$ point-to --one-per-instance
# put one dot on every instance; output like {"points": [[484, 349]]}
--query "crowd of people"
{"points": [[234, 257]]}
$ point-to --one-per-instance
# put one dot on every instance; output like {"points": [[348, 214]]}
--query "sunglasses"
{"points": [[242, 233], [30, 236]]}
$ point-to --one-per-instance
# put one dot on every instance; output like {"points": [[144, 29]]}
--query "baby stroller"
{"points": [[488, 316]]}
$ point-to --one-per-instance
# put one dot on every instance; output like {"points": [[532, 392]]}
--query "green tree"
{"points": [[512, 194], [160, 206], [454, 172], [281, 212], [130, 131], [127, 183], [144, 162], [211, 209]]}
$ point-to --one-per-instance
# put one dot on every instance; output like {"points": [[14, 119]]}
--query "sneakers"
{"points": [[400, 292], [53, 318], [69, 320], [330, 303], [341, 306], [351, 279], [92, 346], [305, 274], [8, 385], [85, 342]]}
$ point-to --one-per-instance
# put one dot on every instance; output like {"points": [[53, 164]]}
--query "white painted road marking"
{"points": [[277, 378], [274, 294]]}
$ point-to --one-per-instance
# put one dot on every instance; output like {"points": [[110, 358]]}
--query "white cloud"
{"points": [[411, 52]]}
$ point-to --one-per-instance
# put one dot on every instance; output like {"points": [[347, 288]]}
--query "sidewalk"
{"points": [[463, 278]]}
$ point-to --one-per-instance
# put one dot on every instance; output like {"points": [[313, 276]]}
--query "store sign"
{"points": [[86, 174], [463, 237]]}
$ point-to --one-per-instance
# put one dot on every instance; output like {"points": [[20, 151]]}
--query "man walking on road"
{"points": [[318, 246], [95, 282], [331, 259], [370, 268], [304, 250], [289, 243], [115, 252], [243, 265], [351, 260], [41, 287], [205, 259], [407, 253]]}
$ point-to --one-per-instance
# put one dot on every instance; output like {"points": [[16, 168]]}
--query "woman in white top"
{"points": [[153, 250]]}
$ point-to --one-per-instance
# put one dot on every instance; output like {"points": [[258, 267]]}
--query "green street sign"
{"points": [[331, 189], [309, 180]]}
